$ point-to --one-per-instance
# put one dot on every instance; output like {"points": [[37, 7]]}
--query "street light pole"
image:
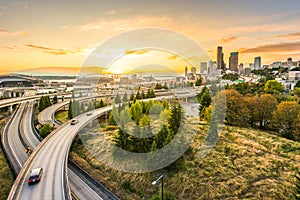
{"points": [[162, 185]]}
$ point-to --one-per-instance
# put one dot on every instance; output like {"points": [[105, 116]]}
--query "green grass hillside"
{"points": [[245, 164]]}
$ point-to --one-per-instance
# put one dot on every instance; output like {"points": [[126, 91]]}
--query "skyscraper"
{"points": [[241, 68], [193, 70], [203, 67], [212, 65], [257, 62], [289, 62], [185, 71], [220, 58], [233, 61]]}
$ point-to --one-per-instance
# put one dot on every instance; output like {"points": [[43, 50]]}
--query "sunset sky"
{"points": [[40, 33]]}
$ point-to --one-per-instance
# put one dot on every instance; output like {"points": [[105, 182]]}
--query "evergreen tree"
{"points": [[141, 142], [158, 86], [198, 82], [101, 104], [204, 99], [117, 99], [132, 97], [161, 137], [143, 95], [70, 111], [121, 139], [111, 120], [176, 119], [55, 99], [166, 105], [82, 108], [42, 104], [165, 86], [125, 98], [138, 95]]}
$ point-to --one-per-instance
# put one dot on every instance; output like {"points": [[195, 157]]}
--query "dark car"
{"points": [[89, 114], [35, 176], [74, 121]]}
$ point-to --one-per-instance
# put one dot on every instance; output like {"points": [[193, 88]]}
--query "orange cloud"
{"points": [[280, 47], [173, 57], [3, 32], [54, 51], [138, 52], [289, 36], [21, 33], [227, 40]]}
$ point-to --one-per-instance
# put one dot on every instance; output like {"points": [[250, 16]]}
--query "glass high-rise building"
{"points": [[233, 61], [220, 58], [257, 62]]}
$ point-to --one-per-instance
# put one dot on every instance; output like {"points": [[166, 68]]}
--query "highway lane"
{"points": [[18, 100], [79, 187], [47, 115], [12, 143], [26, 126], [52, 155]]}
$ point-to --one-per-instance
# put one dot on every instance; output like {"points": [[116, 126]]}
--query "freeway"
{"points": [[51, 154], [52, 157], [11, 141], [18, 100], [47, 115], [81, 190]]}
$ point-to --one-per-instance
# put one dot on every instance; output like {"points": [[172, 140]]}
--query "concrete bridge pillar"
{"points": [[10, 110]]}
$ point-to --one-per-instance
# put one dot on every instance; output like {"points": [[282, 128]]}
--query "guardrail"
{"points": [[98, 187], [22, 137], [3, 129], [80, 172], [15, 191]]}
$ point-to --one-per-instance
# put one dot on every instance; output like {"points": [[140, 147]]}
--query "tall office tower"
{"points": [[289, 62], [241, 68], [203, 67], [185, 71], [220, 58], [257, 62], [193, 70], [233, 61]]}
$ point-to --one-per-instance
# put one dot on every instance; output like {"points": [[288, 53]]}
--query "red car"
{"points": [[35, 176]]}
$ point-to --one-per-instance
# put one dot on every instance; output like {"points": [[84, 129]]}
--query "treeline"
{"points": [[77, 108], [231, 77], [139, 95], [269, 87], [262, 111], [139, 115], [46, 102]]}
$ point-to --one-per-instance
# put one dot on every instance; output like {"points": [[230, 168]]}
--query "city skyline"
{"points": [[39, 34]]}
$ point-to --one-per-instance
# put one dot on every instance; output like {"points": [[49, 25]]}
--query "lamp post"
{"points": [[156, 182]]}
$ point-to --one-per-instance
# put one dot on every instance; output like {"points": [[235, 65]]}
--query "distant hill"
{"points": [[61, 71]]}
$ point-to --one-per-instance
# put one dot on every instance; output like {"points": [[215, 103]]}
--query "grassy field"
{"points": [[62, 116], [245, 164], [6, 176]]}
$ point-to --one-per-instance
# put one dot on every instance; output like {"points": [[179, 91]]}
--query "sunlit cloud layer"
{"points": [[280, 47], [53, 50], [41, 33]]}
